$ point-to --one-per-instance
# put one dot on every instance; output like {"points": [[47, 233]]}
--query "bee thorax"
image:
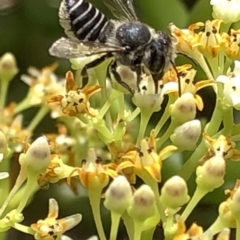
{"points": [[133, 35]]}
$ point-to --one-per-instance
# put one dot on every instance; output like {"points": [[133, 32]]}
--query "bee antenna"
{"points": [[178, 76]]}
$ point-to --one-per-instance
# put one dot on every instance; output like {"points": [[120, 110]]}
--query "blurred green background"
{"points": [[28, 29]]}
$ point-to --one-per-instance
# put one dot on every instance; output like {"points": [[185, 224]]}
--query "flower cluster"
{"points": [[105, 139]]}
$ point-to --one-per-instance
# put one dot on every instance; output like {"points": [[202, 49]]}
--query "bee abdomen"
{"points": [[87, 22]]}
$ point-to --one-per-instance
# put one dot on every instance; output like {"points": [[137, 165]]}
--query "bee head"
{"points": [[159, 55]]}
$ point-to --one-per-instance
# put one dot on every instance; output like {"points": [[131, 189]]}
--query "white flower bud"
{"points": [[184, 109], [186, 136], [174, 193], [37, 157], [118, 195], [226, 10], [8, 67], [211, 174], [143, 204]]}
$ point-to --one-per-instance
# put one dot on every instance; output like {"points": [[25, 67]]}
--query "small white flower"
{"points": [[231, 89], [43, 84], [226, 10], [148, 96]]}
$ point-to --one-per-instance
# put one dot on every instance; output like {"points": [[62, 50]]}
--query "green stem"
{"points": [[169, 230], [204, 66], [121, 105], [23, 105], [5, 187], [138, 226], [237, 229], [28, 192], [94, 197], [191, 164], [10, 195], [101, 72], [167, 134], [164, 117], [134, 114], [23, 228], [213, 63], [115, 94], [221, 61], [217, 226], [43, 111], [128, 222], [19, 194], [154, 186], [5, 183], [115, 217], [228, 122], [227, 65], [197, 196], [145, 117], [148, 234], [3, 92]]}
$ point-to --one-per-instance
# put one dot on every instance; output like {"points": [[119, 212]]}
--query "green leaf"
{"points": [[159, 13]]}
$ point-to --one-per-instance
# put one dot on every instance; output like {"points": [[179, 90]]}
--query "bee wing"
{"points": [[71, 48], [122, 9]]}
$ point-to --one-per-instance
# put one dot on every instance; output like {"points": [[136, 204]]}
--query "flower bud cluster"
{"points": [[119, 198]]}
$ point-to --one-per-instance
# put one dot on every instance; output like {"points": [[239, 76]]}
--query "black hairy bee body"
{"points": [[86, 21], [129, 41]]}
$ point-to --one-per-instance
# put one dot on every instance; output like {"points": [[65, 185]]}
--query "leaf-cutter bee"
{"points": [[129, 41]]}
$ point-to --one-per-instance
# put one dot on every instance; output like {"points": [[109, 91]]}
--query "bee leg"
{"points": [[92, 64], [118, 77], [178, 76], [84, 76], [138, 70], [156, 79]]}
